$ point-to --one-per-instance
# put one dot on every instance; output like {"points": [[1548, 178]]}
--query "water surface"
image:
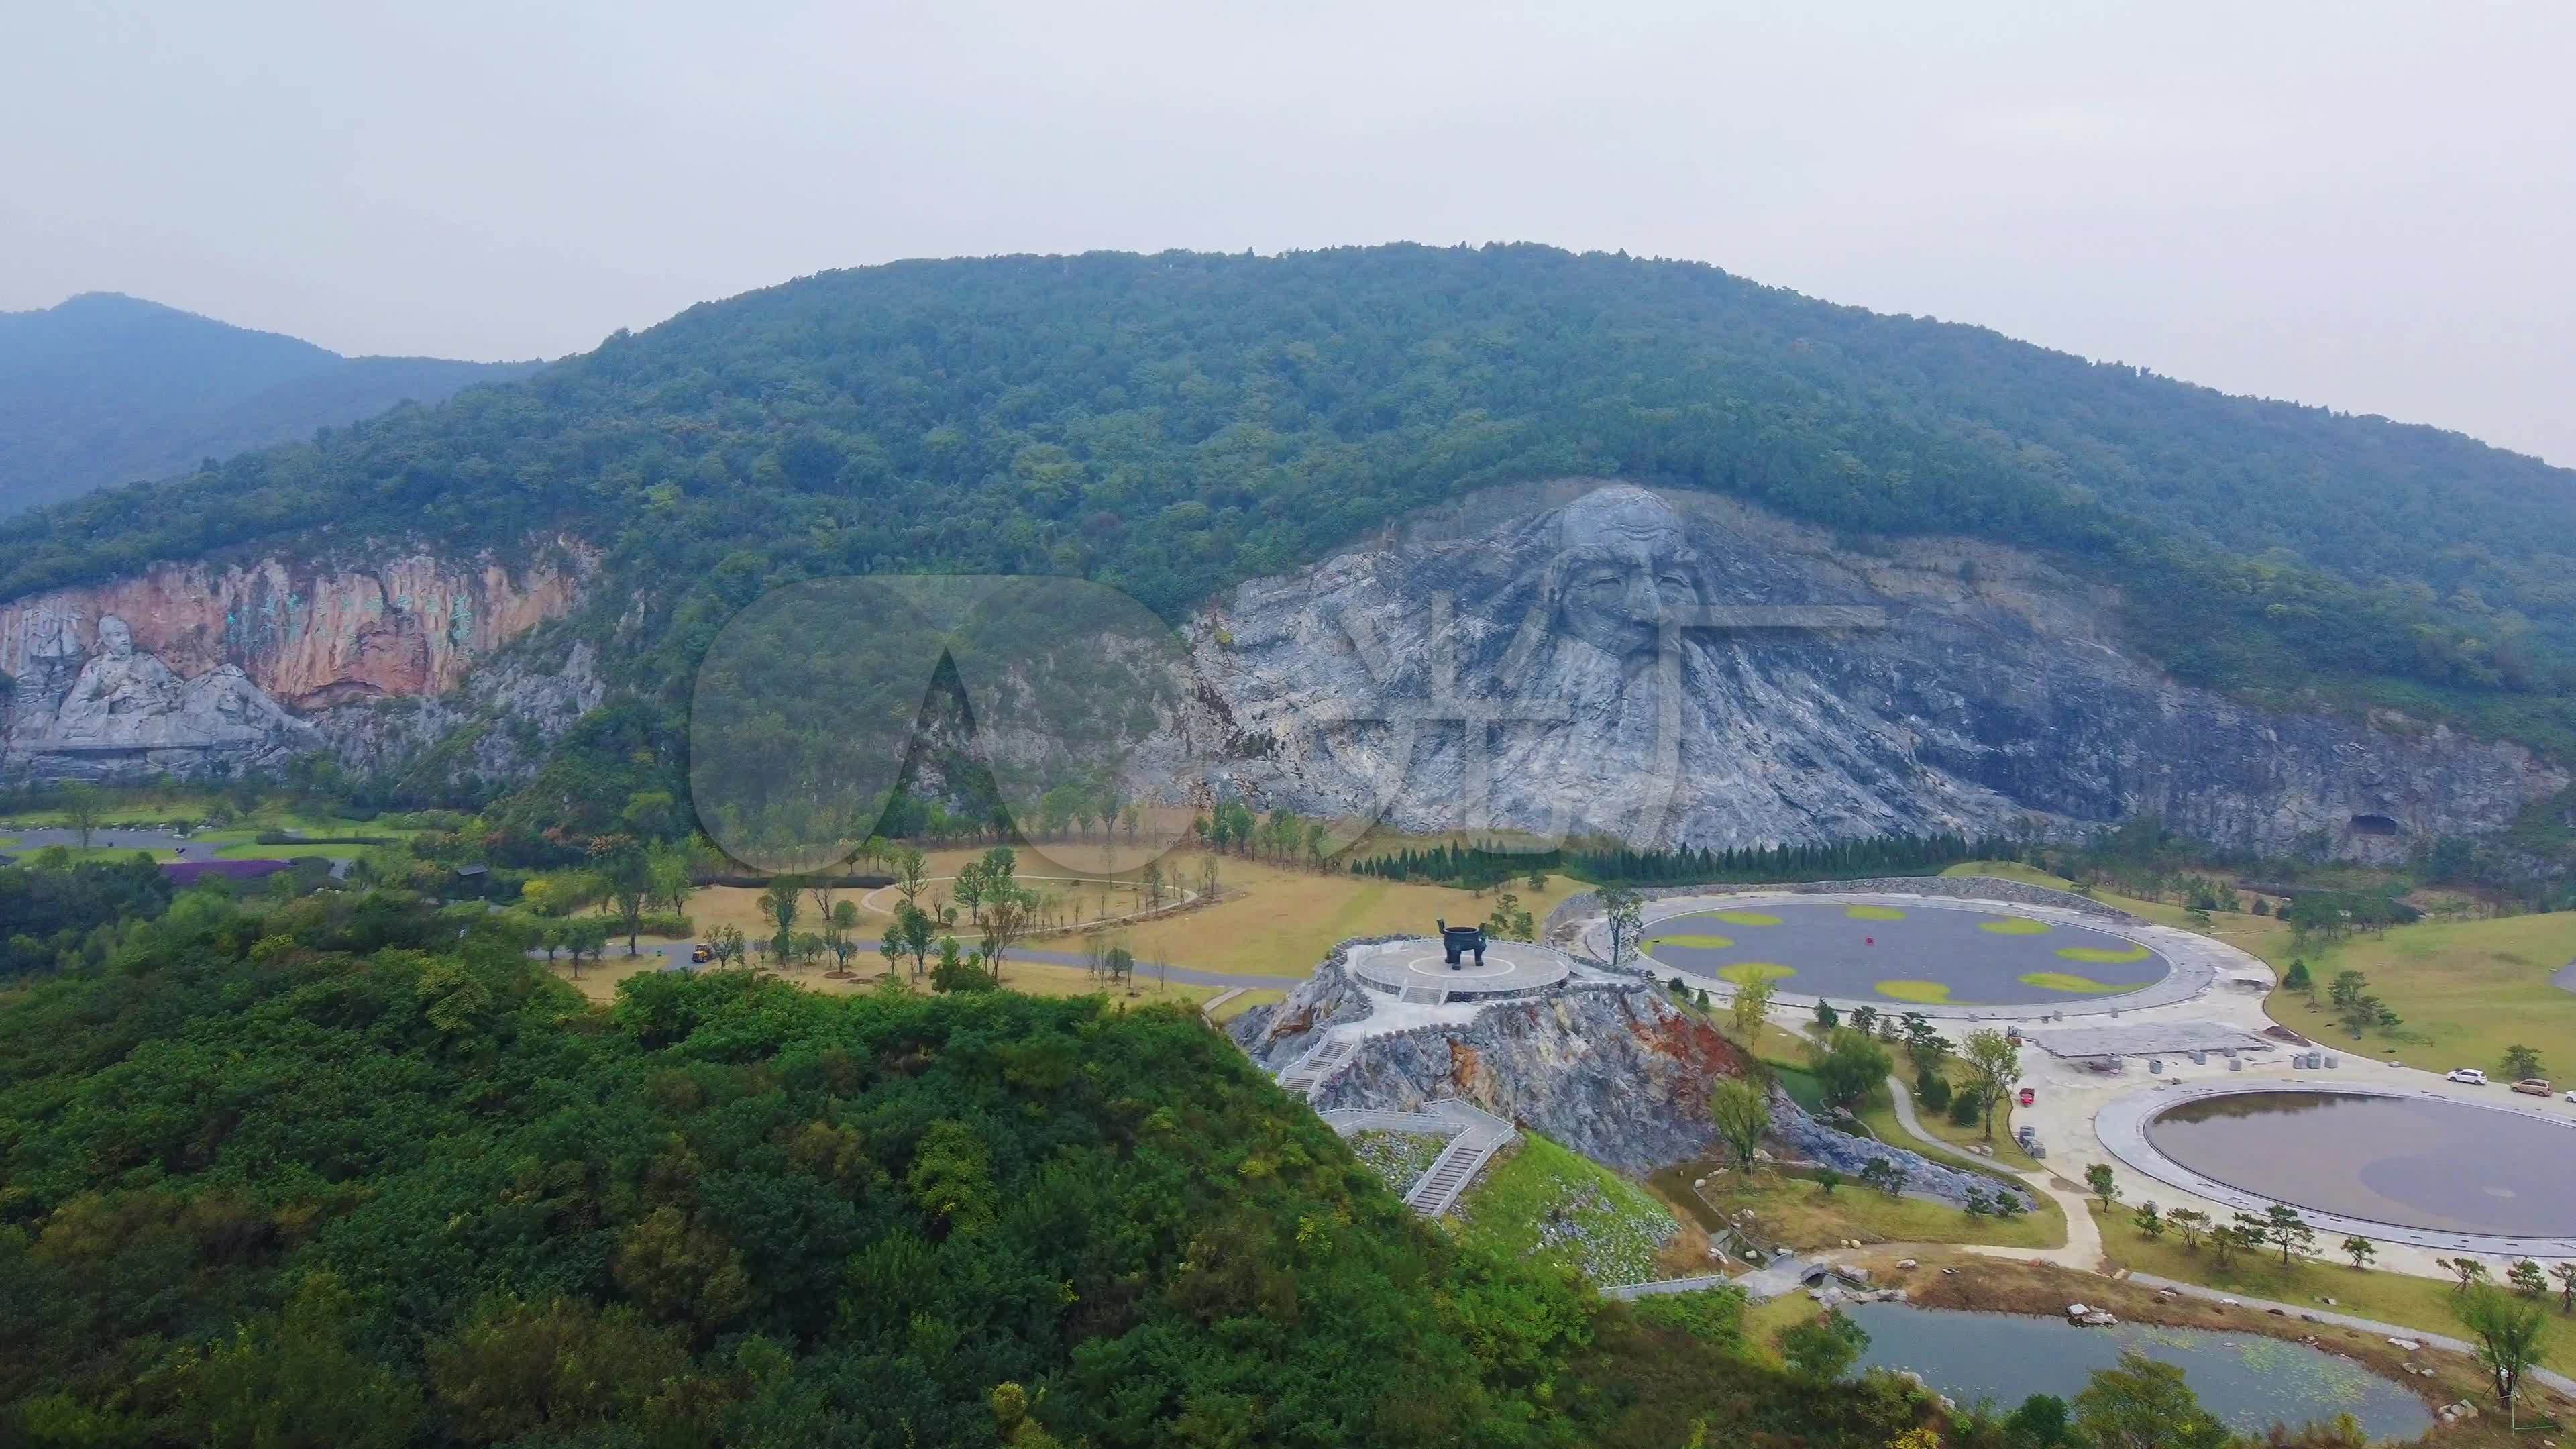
{"points": [[2418, 1162], [2249, 1381]]}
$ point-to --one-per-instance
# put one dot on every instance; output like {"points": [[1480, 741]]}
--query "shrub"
{"points": [[1933, 1091], [1964, 1109]]}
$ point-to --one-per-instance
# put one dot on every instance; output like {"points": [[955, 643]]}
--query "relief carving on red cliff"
{"points": [[310, 638]]}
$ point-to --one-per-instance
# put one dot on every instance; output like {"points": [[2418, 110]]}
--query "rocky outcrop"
{"points": [[1590, 659], [188, 668], [1618, 1075], [114, 710], [1276, 1035], [1810, 1141], [495, 724]]}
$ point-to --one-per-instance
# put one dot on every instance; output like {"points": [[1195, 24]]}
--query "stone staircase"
{"points": [[1308, 1072], [1474, 1134], [1481, 1134], [1425, 995]]}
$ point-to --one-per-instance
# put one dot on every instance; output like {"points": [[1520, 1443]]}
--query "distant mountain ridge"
{"points": [[105, 389]]}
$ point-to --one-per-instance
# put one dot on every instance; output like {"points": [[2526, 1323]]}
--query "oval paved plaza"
{"points": [[1901, 955]]}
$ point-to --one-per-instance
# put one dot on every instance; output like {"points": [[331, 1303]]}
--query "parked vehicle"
{"points": [[2532, 1087], [2028, 1096], [2470, 1075], [700, 954]]}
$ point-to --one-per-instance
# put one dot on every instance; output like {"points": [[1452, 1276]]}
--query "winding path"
{"points": [[2083, 1246], [678, 954]]}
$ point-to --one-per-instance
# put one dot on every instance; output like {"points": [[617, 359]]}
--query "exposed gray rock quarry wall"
{"points": [[1617, 1075], [1590, 659]]}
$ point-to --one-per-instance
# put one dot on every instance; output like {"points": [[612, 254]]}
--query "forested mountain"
{"points": [[1171, 423], [107, 389]]}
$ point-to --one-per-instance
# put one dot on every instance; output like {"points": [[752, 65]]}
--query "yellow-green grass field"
{"points": [[1754, 973], [598, 981], [2069, 982], [1918, 992], [1797, 1212], [2468, 989], [1873, 913], [2464, 989], [2400, 1298], [1702, 943], [1746, 918], [1270, 920], [2015, 926]]}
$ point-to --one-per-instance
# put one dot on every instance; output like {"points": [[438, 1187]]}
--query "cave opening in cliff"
{"points": [[2373, 825]]}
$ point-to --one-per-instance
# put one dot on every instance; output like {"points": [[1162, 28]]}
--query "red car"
{"points": [[2028, 1096]]}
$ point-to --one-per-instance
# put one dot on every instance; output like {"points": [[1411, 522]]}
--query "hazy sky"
{"points": [[2371, 206]]}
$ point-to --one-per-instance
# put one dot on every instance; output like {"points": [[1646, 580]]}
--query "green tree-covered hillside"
{"points": [[332, 1173], [1171, 423]]}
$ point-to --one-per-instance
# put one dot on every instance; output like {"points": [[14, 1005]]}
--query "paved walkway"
{"points": [[2083, 1246], [678, 954], [2565, 980]]}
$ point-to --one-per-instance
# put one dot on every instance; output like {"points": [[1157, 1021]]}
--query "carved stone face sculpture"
{"points": [[115, 640], [1622, 570]]}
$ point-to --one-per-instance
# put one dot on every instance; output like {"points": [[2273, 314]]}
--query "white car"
{"points": [[2571, 1096], [2472, 1076]]}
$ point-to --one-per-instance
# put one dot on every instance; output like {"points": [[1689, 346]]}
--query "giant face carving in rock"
{"points": [[1622, 572]]}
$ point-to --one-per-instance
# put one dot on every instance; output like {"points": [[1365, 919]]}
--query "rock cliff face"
{"points": [[1676, 669], [1616, 1073], [185, 667], [1619, 1076]]}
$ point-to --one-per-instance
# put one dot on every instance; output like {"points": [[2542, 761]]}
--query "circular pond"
{"points": [[1904, 955], [2415, 1161]]}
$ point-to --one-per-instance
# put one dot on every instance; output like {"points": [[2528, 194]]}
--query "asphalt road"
{"points": [[677, 954]]}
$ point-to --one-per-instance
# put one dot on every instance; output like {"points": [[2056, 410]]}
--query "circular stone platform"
{"points": [[1418, 970], [2393, 1163], [1904, 953]]}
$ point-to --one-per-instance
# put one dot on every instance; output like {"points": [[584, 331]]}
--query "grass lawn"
{"points": [[2399, 1298], [1272, 921], [599, 980], [2465, 989], [1264, 996], [1545, 1202], [1801, 1214], [1881, 1119], [2469, 989]]}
